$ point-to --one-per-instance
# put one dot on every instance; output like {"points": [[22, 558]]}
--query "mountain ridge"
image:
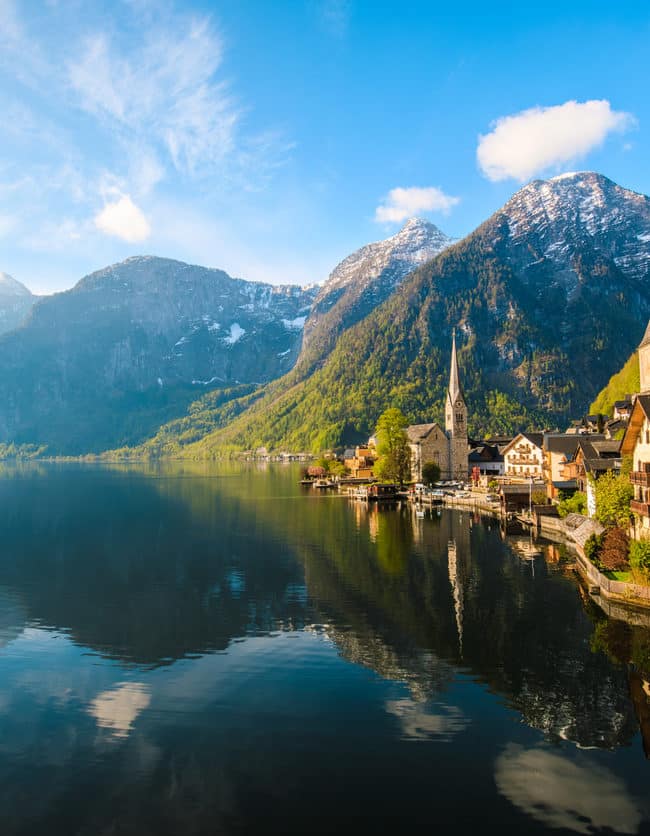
{"points": [[549, 300]]}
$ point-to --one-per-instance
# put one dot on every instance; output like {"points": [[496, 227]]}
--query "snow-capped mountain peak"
{"points": [[367, 277], [559, 215]]}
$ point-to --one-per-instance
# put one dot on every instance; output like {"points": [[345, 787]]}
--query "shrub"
{"points": [[430, 473], [640, 555], [576, 504], [615, 550], [593, 547]]}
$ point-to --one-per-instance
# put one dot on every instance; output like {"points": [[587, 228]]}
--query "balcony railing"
{"points": [[642, 508], [640, 477]]}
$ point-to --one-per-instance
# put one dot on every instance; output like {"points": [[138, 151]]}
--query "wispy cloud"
{"points": [[165, 89], [402, 203], [144, 100], [541, 138]]}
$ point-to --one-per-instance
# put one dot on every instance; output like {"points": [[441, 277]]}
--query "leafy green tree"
{"points": [[576, 504], [430, 473], [336, 468], [394, 462], [613, 495]]}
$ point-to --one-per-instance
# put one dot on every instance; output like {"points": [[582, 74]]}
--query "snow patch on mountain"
{"points": [[235, 334]]}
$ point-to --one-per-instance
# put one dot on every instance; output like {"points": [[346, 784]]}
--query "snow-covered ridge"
{"points": [[416, 242], [561, 213]]}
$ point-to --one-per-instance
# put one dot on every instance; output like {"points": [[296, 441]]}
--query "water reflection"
{"points": [[117, 708], [232, 641], [561, 792]]}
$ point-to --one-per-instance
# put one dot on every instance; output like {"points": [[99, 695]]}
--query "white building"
{"points": [[523, 458]]}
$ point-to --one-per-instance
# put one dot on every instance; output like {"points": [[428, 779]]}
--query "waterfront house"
{"points": [[593, 456], [523, 457], [636, 443], [486, 459], [558, 448], [360, 461], [515, 498], [568, 461]]}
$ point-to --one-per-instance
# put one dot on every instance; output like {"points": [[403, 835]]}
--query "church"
{"points": [[448, 447]]}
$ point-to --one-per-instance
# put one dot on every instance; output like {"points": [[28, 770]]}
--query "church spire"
{"points": [[455, 389]]}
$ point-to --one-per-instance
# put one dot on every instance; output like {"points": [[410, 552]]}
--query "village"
{"points": [[588, 486]]}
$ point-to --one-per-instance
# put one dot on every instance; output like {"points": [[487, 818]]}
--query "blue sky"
{"points": [[272, 138]]}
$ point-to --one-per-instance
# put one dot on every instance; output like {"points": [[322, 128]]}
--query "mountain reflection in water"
{"points": [[203, 648]]}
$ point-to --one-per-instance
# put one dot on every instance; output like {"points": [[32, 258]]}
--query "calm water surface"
{"points": [[200, 649]]}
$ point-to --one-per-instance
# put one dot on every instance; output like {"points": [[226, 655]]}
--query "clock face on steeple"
{"points": [[459, 404]]}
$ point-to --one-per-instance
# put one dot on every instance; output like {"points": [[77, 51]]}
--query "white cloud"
{"points": [[123, 219], [529, 142], [401, 203]]}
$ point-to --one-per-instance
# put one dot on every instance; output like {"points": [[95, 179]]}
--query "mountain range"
{"points": [[550, 297], [130, 346]]}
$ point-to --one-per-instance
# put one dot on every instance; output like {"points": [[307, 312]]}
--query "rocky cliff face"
{"points": [[364, 280], [106, 361], [16, 302]]}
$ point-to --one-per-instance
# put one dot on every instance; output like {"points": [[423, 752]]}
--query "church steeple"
{"points": [[456, 419], [455, 389]]}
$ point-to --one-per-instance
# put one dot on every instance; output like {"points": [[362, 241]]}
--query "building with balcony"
{"points": [[636, 443], [523, 457]]}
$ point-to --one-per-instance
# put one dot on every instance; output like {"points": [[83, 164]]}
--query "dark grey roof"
{"points": [[565, 443], [535, 438], [416, 432], [599, 465], [485, 453]]}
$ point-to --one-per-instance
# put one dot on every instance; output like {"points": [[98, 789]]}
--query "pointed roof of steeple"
{"points": [[646, 337], [455, 389]]}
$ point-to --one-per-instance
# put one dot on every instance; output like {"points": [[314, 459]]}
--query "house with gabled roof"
{"points": [[523, 457], [636, 445]]}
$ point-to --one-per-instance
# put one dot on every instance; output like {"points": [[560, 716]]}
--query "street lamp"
{"points": [[530, 497]]}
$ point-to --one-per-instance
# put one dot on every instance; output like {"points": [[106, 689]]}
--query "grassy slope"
{"points": [[625, 382]]}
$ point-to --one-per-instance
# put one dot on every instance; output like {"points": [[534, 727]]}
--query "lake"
{"points": [[214, 649]]}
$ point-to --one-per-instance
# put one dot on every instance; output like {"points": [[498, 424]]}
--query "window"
{"points": [[459, 417]]}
